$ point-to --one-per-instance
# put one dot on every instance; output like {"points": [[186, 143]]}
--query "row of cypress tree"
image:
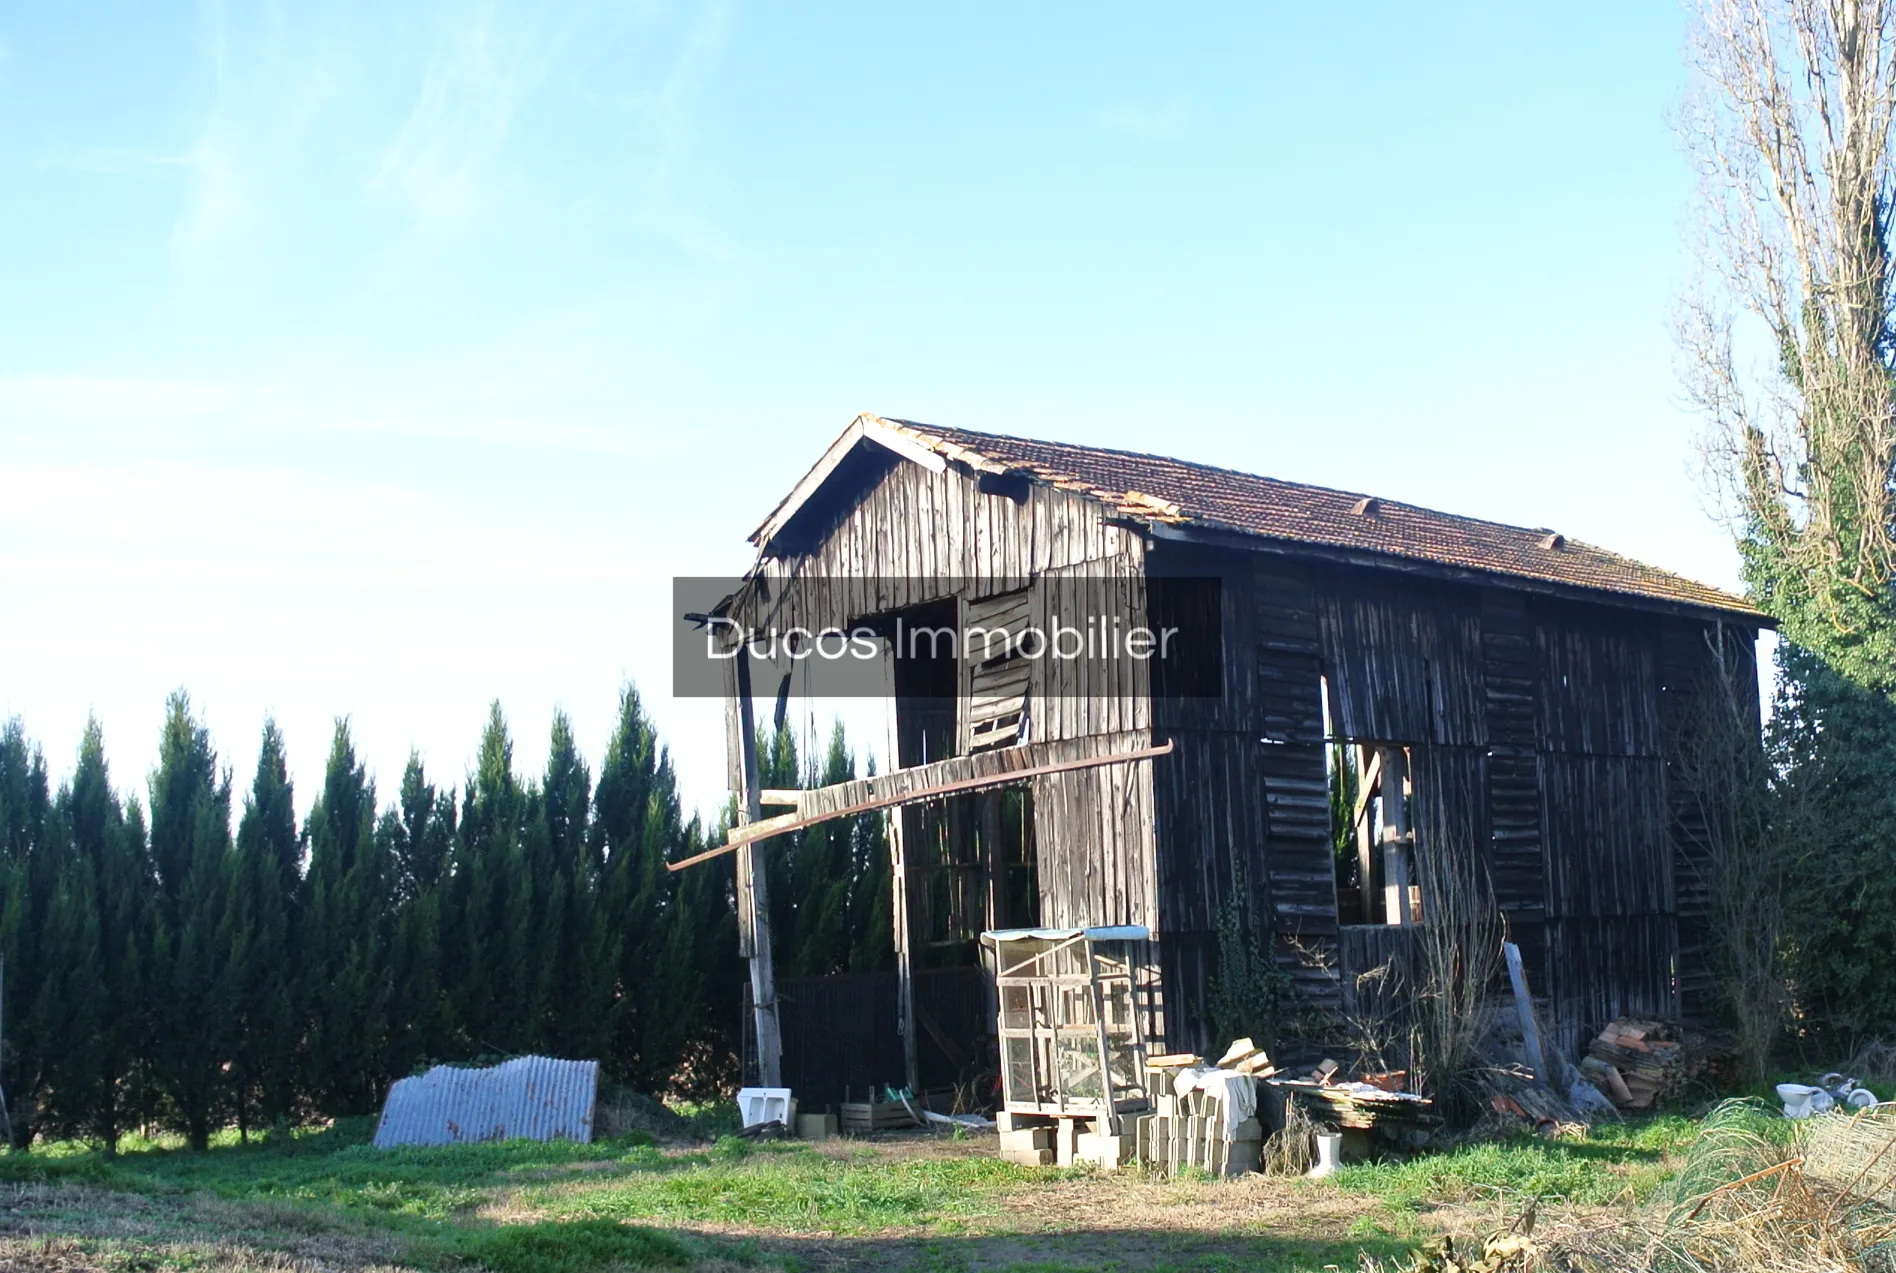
{"points": [[165, 968]]}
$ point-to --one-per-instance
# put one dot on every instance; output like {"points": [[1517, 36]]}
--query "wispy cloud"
{"points": [[113, 161], [266, 85], [672, 116], [42, 399], [1165, 121], [480, 73]]}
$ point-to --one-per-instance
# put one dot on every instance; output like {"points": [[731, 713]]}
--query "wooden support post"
{"points": [[1395, 838], [994, 884], [902, 915], [1368, 771], [753, 891], [904, 932], [1524, 1006]]}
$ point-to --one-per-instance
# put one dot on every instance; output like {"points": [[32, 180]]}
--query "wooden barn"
{"points": [[1469, 687]]}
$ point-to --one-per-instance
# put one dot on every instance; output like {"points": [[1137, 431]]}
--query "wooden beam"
{"points": [[765, 828], [902, 909], [1365, 784], [779, 797], [1395, 806], [1369, 766], [754, 896]]}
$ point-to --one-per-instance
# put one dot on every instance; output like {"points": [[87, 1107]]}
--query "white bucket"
{"points": [[1329, 1153]]}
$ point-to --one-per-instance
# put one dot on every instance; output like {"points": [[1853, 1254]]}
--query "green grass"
{"points": [[794, 1189], [625, 1205], [579, 1246], [1615, 1162]]}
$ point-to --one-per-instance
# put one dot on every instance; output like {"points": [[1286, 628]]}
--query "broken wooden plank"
{"points": [[768, 827]]}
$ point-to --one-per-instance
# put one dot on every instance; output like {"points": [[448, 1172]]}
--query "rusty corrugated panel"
{"points": [[528, 1098]]}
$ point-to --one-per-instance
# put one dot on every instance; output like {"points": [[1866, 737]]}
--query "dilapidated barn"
{"points": [[1479, 688]]}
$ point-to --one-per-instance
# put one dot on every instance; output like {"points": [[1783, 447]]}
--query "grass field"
{"points": [[327, 1200]]}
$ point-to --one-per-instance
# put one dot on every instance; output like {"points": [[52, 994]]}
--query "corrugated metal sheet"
{"points": [[528, 1098]]}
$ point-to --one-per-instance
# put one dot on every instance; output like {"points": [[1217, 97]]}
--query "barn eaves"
{"points": [[1173, 496]]}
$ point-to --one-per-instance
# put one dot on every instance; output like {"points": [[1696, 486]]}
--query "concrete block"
{"points": [[1242, 1156], [816, 1126], [1028, 1157], [1066, 1138], [1107, 1151], [1027, 1138]]}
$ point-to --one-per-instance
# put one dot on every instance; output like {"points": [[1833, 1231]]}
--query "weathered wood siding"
{"points": [[907, 537], [1536, 730], [1243, 810]]}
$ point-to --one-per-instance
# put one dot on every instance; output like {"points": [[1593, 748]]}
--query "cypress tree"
{"points": [[419, 834], [258, 943], [489, 982], [190, 815], [345, 939], [111, 888], [824, 879], [634, 894], [586, 958], [67, 1018], [29, 877]]}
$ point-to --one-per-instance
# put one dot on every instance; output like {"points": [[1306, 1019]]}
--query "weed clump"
{"points": [[575, 1246]]}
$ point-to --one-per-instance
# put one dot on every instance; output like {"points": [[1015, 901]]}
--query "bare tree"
{"points": [[1790, 128], [1457, 965], [1744, 829]]}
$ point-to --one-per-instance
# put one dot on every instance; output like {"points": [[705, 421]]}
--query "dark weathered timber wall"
{"points": [[1537, 730], [1243, 809]]}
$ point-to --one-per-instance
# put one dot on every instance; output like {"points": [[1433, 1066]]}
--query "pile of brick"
{"points": [[1636, 1061]]}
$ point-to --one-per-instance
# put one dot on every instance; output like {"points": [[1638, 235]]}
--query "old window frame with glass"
{"points": [[1072, 1042]]}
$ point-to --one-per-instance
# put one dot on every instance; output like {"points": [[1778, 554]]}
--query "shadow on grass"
{"points": [[596, 1246]]}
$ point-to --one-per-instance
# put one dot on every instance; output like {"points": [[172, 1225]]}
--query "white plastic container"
{"points": [[757, 1105], [1329, 1154]]}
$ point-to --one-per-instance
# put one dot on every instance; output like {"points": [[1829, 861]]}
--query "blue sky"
{"points": [[384, 360]]}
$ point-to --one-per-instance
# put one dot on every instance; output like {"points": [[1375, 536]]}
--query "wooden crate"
{"points": [[859, 1117]]}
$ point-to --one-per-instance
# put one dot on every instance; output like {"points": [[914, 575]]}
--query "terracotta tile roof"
{"points": [[1154, 488]]}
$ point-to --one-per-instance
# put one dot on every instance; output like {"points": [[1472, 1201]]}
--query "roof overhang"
{"points": [[1162, 519], [865, 429], [1251, 541]]}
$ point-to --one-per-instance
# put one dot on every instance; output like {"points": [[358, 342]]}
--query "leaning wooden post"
{"points": [[753, 889], [1524, 1006]]}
